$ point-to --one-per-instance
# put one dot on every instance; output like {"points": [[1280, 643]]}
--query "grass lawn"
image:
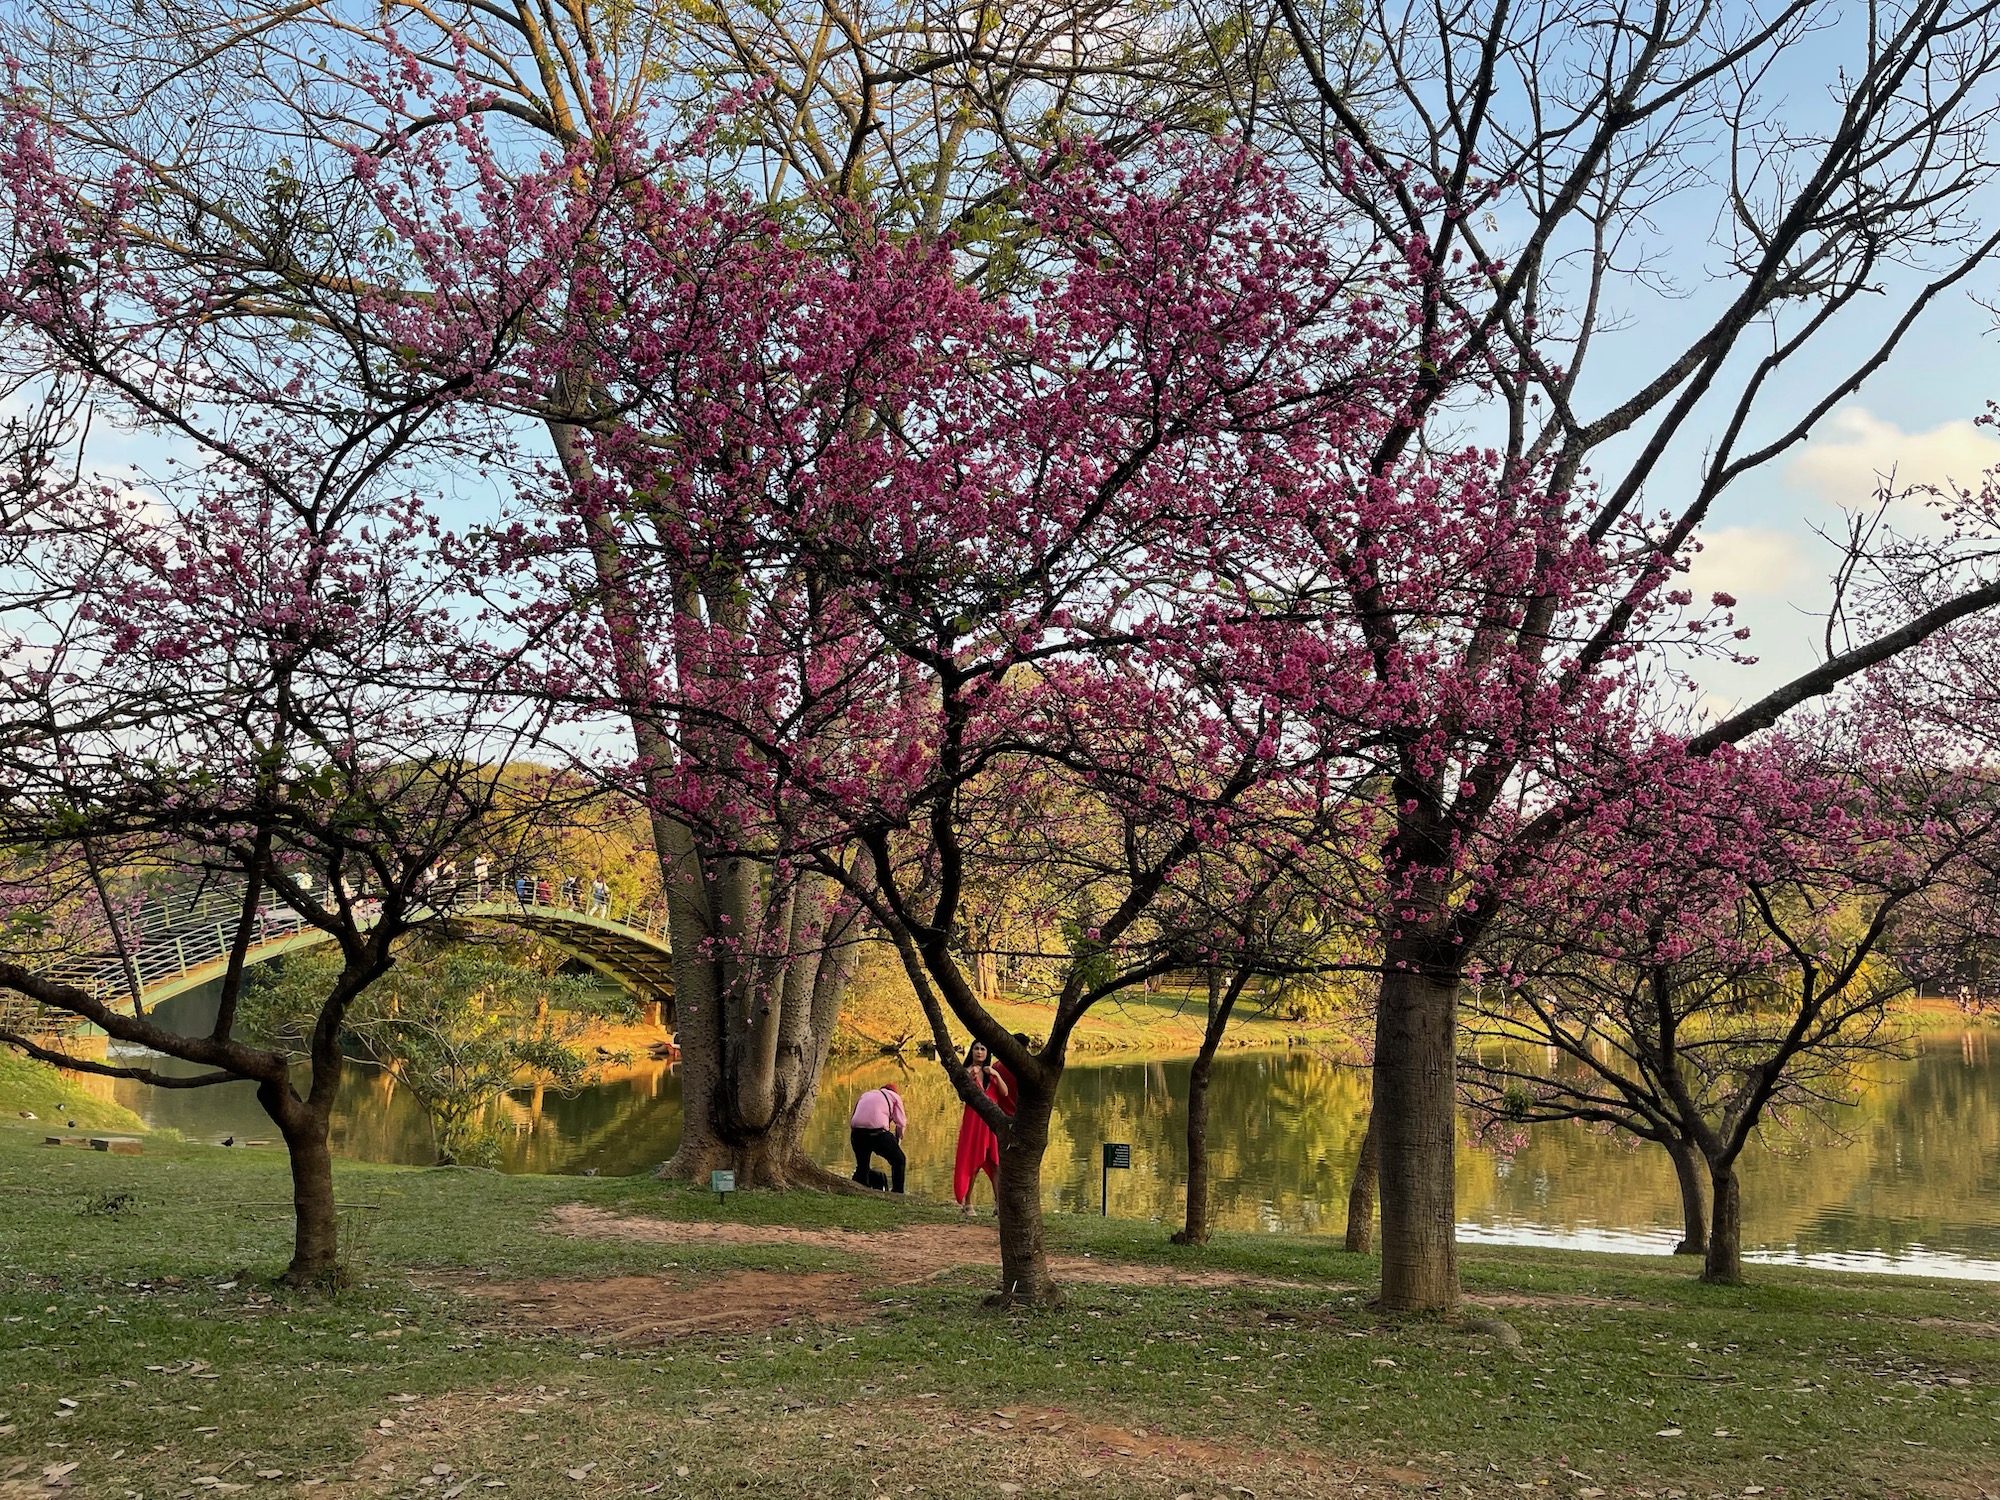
{"points": [[57, 1101], [585, 1337]]}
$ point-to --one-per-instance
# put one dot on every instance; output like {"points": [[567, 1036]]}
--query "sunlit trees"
{"points": [[455, 1023], [1727, 962]]}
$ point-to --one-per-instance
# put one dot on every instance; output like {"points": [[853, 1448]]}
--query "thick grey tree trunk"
{"points": [[1415, 1122]]}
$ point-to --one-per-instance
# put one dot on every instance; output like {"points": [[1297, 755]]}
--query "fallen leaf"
{"points": [[58, 1471], [1090, 1473], [1668, 1432]]}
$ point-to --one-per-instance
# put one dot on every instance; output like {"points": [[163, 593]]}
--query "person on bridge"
{"points": [[876, 1129], [600, 897], [978, 1146]]}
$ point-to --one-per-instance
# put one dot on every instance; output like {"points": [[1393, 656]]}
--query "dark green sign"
{"points": [[1116, 1154]]}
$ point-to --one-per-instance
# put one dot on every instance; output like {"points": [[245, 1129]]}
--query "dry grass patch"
{"points": [[903, 1256]]}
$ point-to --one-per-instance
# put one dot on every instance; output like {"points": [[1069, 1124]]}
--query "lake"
{"points": [[1911, 1182]]}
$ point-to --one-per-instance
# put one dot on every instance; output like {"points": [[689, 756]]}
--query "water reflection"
{"points": [[1913, 1184]]}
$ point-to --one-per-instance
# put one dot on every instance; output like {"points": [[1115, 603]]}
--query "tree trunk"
{"points": [[745, 1094], [1024, 1260], [1415, 1119], [1194, 1230], [1694, 1203], [749, 1082], [1221, 1003], [315, 1222], [1361, 1193], [1724, 1262]]}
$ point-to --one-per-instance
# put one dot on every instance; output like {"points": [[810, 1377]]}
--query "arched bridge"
{"points": [[183, 942]]}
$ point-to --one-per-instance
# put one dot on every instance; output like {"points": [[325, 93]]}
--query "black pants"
{"points": [[882, 1143]]}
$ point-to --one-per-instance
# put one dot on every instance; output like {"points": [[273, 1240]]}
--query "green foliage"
{"points": [[456, 1025]]}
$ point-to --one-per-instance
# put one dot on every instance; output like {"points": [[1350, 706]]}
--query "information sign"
{"points": [[1116, 1154]]}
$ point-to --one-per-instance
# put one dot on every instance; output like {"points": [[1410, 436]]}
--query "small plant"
{"points": [[109, 1203], [357, 1230]]}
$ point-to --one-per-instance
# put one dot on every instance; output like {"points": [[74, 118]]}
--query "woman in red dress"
{"points": [[978, 1146]]}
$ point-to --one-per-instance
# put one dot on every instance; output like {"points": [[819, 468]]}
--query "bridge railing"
{"points": [[172, 936], [529, 895]]}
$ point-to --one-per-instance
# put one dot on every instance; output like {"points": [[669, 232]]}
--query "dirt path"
{"points": [[916, 1253], [652, 1309]]}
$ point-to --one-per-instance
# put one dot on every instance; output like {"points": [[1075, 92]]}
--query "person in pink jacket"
{"points": [[876, 1129]]}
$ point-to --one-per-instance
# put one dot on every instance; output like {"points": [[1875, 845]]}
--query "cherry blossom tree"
{"points": [[904, 557], [1678, 268], [927, 119], [1729, 961], [245, 670]]}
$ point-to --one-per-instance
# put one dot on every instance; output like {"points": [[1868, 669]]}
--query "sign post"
{"points": [[1116, 1154], [722, 1184]]}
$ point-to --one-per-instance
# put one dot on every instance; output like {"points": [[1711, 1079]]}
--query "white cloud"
{"points": [[1751, 562], [1848, 459]]}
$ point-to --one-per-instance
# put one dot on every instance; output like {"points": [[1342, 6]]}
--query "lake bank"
{"points": [[1913, 1185], [613, 1338]]}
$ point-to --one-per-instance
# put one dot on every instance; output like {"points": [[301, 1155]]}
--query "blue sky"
{"points": [[1916, 418]]}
